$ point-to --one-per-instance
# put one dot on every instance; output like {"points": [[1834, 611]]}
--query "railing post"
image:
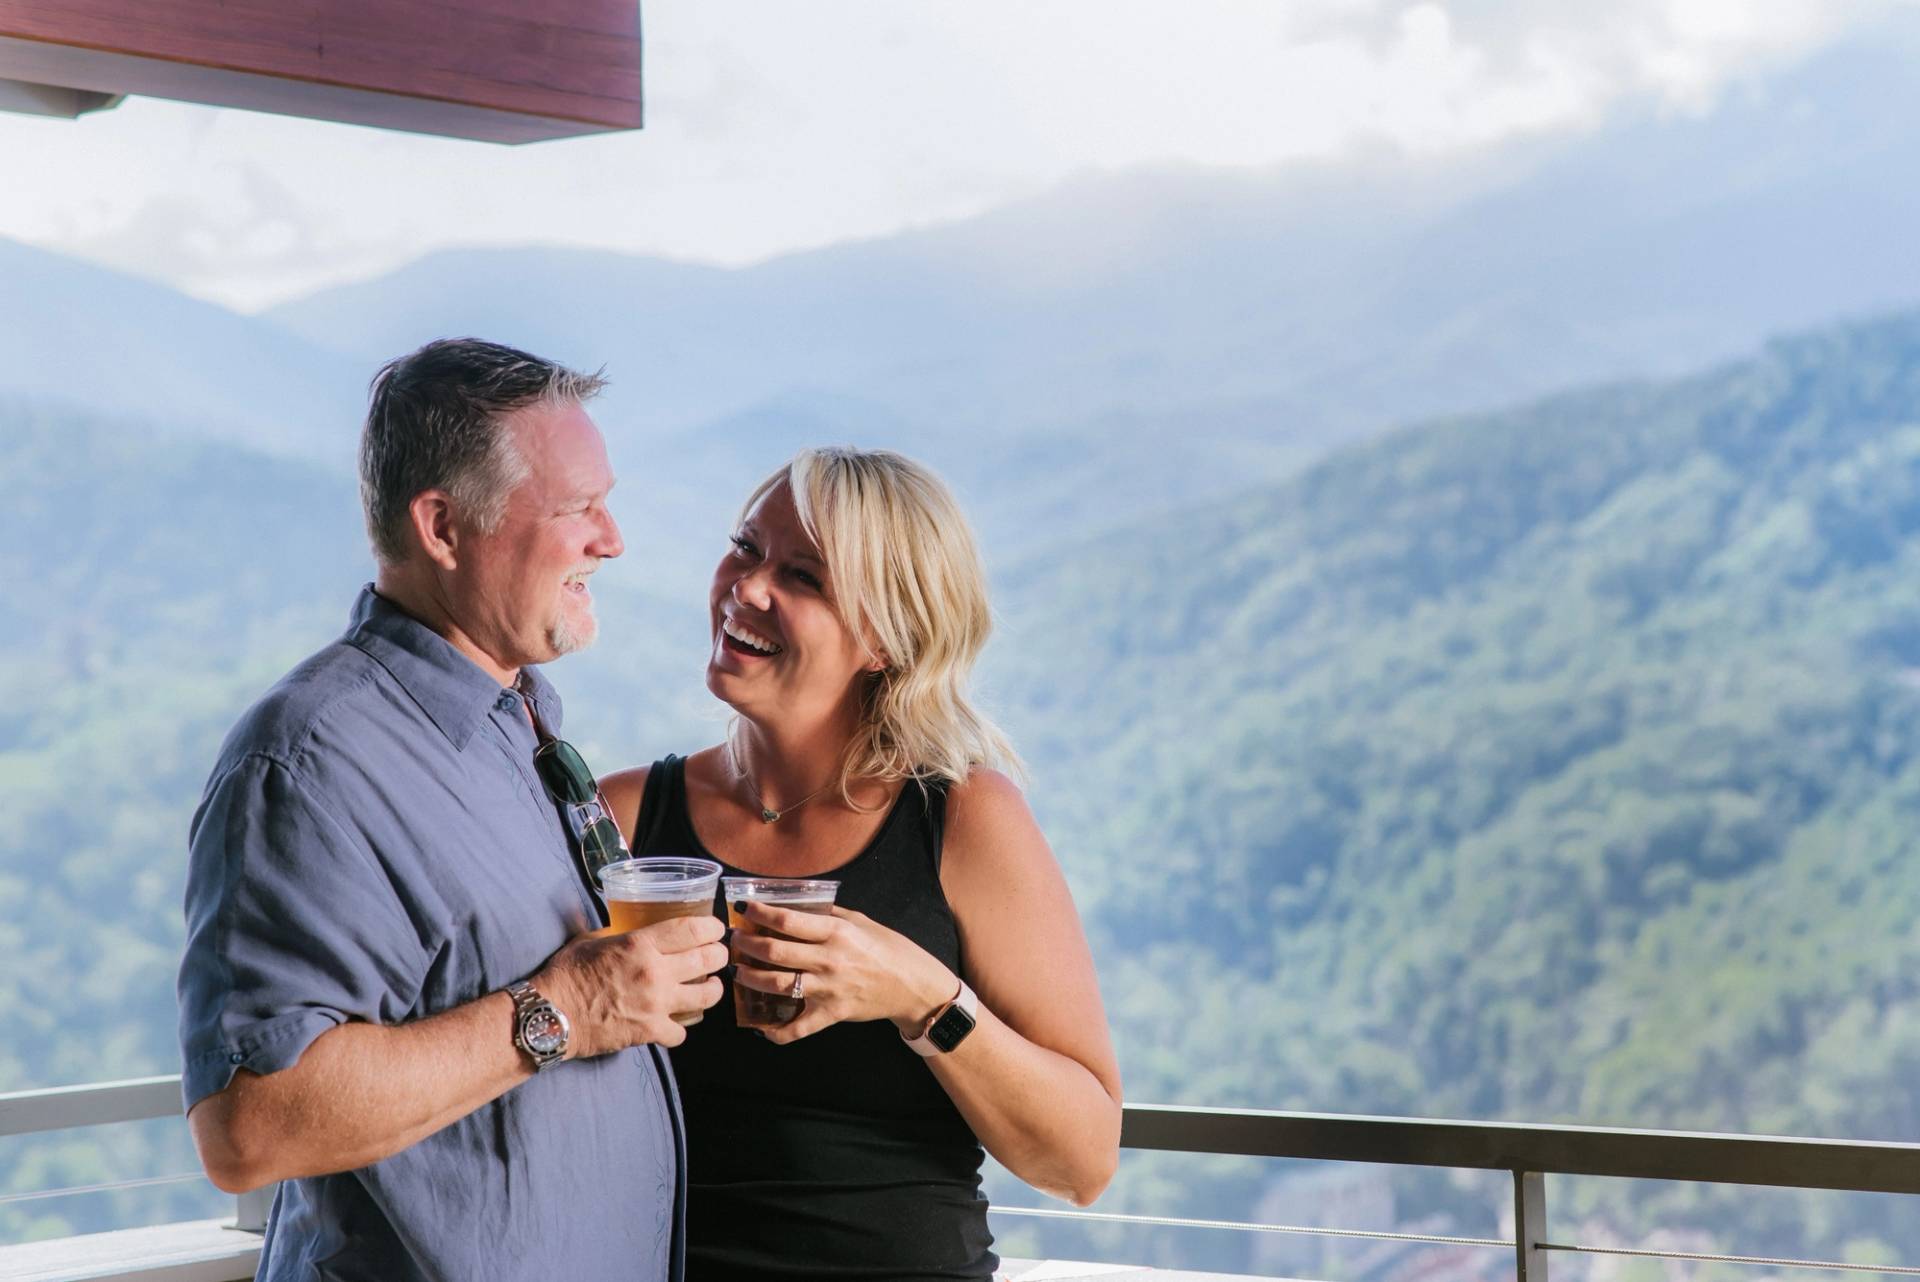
{"points": [[250, 1215], [1529, 1226]]}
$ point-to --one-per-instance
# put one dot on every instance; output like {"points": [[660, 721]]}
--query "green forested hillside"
{"points": [[1552, 764], [149, 587], [1556, 764]]}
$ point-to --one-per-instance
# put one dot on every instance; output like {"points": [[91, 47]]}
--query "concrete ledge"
{"points": [[197, 1251]]}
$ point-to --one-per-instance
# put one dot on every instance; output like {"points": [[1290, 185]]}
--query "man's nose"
{"points": [[606, 540]]}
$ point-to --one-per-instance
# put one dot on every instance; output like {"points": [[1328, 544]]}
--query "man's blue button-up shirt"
{"points": [[375, 845]]}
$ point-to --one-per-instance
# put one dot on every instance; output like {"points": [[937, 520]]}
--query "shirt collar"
{"points": [[449, 687]]}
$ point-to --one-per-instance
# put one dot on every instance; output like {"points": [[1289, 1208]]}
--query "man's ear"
{"points": [[431, 515]]}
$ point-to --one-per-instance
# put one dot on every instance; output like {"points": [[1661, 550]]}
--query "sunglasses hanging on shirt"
{"points": [[570, 784]]}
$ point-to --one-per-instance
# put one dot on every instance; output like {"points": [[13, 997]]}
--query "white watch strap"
{"points": [[965, 1000]]}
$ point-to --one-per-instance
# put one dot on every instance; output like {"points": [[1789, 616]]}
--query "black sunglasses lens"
{"points": [[564, 772], [601, 844]]}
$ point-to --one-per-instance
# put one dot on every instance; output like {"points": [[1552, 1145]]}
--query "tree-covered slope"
{"points": [[1561, 763]]}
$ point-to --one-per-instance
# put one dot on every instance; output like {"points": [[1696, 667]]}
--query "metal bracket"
{"points": [[1529, 1226], [53, 100], [252, 1209]]}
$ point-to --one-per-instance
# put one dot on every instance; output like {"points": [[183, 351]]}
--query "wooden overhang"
{"points": [[496, 70]]}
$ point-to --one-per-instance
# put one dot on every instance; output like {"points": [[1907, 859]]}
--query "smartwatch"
{"points": [[948, 1026], [539, 1028]]}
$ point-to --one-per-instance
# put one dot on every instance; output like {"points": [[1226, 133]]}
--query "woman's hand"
{"points": [[850, 968]]}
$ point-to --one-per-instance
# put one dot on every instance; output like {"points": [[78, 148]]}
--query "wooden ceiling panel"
{"points": [[507, 72]]}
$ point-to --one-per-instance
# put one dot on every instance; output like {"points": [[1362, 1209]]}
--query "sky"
{"points": [[775, 127]]}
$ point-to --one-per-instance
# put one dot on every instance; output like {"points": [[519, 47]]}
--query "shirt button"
{"points": [[506, 701], [236, 1058]]}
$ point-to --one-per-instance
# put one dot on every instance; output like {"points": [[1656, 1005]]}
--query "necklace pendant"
{"points": [[768, 816]]}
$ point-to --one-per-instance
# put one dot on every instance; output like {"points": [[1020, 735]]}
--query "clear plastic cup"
{"points": [[751, 1007], [641, 892]]}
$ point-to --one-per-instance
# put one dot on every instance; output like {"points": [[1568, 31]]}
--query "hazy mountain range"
{"points": [[1160, 337]]}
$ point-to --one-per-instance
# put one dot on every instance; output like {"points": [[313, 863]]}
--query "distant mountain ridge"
{"points": [[1161, 338], [105, 343], [1351, 295]]}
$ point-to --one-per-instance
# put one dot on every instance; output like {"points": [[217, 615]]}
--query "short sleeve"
{"points": [[292, 929]]}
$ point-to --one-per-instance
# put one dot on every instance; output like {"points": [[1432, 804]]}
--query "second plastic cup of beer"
{"points": [[751, 1007], [640, 892]]}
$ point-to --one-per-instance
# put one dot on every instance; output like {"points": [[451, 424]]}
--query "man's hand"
{"points": [[624, 990]]}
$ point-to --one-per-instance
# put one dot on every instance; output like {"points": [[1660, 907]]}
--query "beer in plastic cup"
{"points": [[751, 1007], [640, 892]]}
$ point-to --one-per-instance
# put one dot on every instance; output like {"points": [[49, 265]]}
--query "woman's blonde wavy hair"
{"points": [[905, 571]]}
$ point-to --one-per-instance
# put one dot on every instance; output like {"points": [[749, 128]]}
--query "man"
{"points": [[376, 864]]}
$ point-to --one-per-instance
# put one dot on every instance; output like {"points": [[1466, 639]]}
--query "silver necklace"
{"points": [[767, 813]]}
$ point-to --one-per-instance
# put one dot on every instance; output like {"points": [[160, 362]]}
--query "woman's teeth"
{"points": [[746, 637]]}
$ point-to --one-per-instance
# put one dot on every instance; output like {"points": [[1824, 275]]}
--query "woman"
{"points": [[846, 617]]}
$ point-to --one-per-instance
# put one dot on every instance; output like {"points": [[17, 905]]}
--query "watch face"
{"points": [[950, 1029], [543, 1031]]}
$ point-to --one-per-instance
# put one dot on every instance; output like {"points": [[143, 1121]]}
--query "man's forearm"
{"points": [[359, 1093]]}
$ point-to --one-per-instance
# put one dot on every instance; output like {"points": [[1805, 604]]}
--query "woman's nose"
{"points": [[750, 589]]}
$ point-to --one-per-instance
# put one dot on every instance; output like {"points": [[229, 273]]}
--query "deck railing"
{"points": [[1528, 1152]]}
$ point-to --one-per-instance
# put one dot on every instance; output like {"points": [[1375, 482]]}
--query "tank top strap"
{"points": [[663, 807], [933, 816]]}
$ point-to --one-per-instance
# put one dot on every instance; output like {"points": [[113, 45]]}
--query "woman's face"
{"points": [[780, 652]]}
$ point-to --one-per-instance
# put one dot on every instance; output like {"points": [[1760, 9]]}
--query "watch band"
{"points": [[948, 1026]]}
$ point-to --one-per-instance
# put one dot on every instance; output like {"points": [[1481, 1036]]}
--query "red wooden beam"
{"points": [[499, 70]]}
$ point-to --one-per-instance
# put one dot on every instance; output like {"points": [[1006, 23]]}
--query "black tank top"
{"points": [[840, 1155]]}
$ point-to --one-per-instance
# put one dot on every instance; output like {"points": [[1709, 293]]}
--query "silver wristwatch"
{"points": [[539, 1027]]}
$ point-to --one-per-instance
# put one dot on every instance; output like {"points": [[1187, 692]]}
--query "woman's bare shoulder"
{"points": [[622, 791], [625, 789], [989, 826]]}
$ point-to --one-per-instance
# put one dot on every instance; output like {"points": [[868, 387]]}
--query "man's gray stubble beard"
{"points": [[565, 638]]}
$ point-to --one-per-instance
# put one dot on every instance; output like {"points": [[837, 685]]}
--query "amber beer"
{"points": [[751, 1007], [641, 892], [632, 914]]}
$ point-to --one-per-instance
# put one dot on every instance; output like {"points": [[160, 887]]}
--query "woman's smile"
{"points": [[741, 639]]}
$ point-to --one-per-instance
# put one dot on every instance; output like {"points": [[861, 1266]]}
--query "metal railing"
{"points": [[1528, 1152], [141, 1099]]}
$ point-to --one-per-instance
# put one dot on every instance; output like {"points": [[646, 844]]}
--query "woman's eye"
{"points": [[807, 579], [741, 546]]}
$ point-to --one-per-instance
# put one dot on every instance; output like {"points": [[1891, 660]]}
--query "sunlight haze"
{"points": [[773, 128]]}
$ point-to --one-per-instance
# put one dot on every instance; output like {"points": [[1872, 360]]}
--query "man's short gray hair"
{"points": [[436, 421]]}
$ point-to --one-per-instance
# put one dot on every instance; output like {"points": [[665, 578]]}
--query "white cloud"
{"points": [[775, 126]]}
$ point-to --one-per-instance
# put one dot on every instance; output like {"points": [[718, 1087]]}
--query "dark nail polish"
{"points": [[726, 972], [726, 936], [740, 906]]}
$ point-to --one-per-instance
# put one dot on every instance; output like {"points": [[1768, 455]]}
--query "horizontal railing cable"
{"points": [[1768, 1261], [75, 1190], [1171, 1221]]}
